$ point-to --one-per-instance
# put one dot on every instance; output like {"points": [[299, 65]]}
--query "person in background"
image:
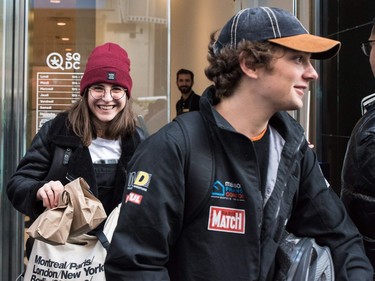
{"points": [[189, 100], [93, 139], [264, 177], [358, 171]]}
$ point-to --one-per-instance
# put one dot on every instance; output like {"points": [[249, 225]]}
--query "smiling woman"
{"points": [[105, 102], [105, 88], [93, 139]]}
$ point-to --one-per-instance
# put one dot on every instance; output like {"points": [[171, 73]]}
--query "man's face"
{"points": [[372, 54], [184, 83], [284, 87]]}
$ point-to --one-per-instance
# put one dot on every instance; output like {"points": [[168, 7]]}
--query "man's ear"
{"points": [[250, 72]]}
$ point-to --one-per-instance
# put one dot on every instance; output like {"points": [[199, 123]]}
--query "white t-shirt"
{"points": [[105, 151]]}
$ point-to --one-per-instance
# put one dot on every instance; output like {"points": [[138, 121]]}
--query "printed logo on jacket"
{"points": [[137, 180], [228, 191], [134, 197], [226, 220]]}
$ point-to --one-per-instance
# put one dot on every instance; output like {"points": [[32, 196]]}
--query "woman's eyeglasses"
{"points": [[98, 92], [367, 46]]}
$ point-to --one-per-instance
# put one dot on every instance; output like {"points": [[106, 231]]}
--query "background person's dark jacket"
{"points": [[190, 104], [358, 180]]}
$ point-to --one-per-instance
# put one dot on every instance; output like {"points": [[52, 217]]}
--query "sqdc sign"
{"points": [[56, 61]]}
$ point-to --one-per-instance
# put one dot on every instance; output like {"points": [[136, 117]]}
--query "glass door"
{"points": [[63, 33], [60, 35]]}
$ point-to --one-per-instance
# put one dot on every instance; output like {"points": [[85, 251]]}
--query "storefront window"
{"points": [[63, 33]]}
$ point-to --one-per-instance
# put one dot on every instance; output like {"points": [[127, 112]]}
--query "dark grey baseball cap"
{"points": [[277, 26]]}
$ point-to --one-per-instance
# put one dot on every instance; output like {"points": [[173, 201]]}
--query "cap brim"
{"points": [[319, 47]]}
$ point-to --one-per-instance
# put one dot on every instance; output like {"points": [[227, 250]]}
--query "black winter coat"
{"points": [[56, 153], [234, 234], [358, 180]]}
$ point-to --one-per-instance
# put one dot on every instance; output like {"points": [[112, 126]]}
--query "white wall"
{"points": [[192, 22]]}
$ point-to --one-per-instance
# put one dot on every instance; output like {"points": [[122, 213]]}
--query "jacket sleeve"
{"points": [[358, 181], [151, 219], [319, 213], [359, 163], [29, 176]]}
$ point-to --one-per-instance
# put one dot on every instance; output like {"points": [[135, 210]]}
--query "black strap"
{"points": [[102, 238], [58, 166], [200, 163]]}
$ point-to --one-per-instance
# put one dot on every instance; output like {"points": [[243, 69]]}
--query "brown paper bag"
{"points": [[88, 210], [79, 211], [53, 225]]}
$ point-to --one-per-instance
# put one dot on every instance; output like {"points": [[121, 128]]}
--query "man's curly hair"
{"points": [[224, 64]]}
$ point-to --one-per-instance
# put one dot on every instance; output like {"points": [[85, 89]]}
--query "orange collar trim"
{"points": [[258, 137]]}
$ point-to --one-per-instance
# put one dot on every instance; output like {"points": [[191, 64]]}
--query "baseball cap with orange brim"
{"points": [[277, 26]]}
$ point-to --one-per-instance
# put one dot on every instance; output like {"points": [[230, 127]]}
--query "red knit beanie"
{"points": [[108, 63]]}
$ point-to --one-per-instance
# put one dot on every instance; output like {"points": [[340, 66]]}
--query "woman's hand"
{"points": [[50, 194]]}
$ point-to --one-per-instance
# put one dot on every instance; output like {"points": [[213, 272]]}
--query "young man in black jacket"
{"points": [[263, 176]]}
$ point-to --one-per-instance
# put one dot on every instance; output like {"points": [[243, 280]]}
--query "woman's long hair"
{"points": [[83, 122]]}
